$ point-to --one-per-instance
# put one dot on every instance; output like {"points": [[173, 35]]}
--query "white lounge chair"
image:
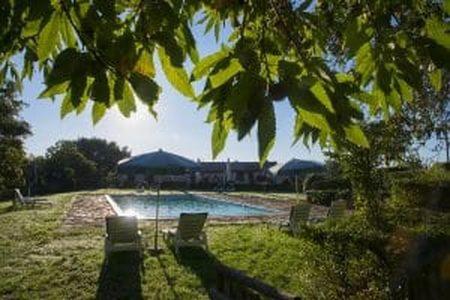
{"points": [[122, 234], [338, 210], [28, 201], [298, 217], [189, 232]]}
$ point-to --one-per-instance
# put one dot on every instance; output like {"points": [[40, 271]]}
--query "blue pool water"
{"points": [[170, 206]]}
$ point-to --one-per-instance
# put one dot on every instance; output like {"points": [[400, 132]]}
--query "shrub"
{"points": [[330, 183], [357, 251], [325, 197], [310, 179], [426, 189]]}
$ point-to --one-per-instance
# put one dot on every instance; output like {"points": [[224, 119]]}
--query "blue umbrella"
{"points": [[296, 167], [158, 163]]}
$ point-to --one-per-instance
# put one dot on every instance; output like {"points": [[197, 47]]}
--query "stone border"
{"points": [[88, 209], [279, 213], [91, 209]]}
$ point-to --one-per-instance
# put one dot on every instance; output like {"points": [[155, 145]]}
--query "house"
{"points": [[172, 170], [239, 173]]}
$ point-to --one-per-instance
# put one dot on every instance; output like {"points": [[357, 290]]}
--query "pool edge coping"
{"points": [[275, 212]]}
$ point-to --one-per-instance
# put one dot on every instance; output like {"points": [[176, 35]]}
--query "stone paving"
{"points": [[88, 210], [92, 210]]}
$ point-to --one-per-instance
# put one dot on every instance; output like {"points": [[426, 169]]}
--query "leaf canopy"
{"points": [[329, 59]]}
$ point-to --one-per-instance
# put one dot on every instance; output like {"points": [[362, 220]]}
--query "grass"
{"points": [[40, 258]]}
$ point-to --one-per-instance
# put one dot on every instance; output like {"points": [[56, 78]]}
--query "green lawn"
{"points": [[40, 258]]}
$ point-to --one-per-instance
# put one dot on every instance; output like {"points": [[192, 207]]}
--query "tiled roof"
{"points": [[245, 166]]}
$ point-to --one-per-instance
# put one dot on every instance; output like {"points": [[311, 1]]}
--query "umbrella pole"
{"points": [[156, 219]]}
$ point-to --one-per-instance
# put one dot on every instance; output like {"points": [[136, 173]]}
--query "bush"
{"points": [[357, 251], [426, 189], [325, 197], [311, 178], [330, 184]]}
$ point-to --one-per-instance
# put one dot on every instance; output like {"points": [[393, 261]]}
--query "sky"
{"points": [[180, 127]]}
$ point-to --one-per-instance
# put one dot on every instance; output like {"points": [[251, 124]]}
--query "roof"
{"points": [[246, 166], [296, 166]]}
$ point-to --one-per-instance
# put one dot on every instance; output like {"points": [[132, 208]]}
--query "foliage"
{"points": [[365, 167], [333, 260], [13, 130], [353, 243], [322, 188], [310, 179], [42, 260], [326, 196], [428, 115], [67, 169], [74, 165], [105, 155], [412, 192], [328, 58]]}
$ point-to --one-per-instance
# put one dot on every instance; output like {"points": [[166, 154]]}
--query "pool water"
{"points": [[171, 206]]}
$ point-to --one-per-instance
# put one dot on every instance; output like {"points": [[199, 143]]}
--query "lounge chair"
{"points": [[298, 217], [338, 210], [189, 232], [28, 201], [122, 234]]}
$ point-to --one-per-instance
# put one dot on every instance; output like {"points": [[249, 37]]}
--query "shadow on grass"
{"points": [[7, 209], [12, 208], [201, 263], [120, 277]]}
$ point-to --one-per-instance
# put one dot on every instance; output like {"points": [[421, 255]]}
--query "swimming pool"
{"points": [[170, 206]]}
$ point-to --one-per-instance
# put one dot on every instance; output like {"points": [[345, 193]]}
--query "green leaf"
{"points": [[205, 64], [145, 65], [244, 100], [266, 130], [436, 79], [100, 88], [127, 103], [82, 105], [78, 88], [405, 90], [54, 90], [146, 89], [222, 76], [49, 37], [314, 119], [438, 31], [177, 76], [355, 35], [219, 136], [64, 66], [355, 135], [67, 33], [98, 111], [31, 28], [321, 94], [66, 106], [365, 64], [217, 31], [187, 41], [447, 6]]}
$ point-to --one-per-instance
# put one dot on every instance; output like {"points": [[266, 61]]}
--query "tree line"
{"points": [[85, 163]]}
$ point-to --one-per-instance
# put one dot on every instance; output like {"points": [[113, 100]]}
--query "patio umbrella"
{"points": [[157, 163], [296, 167]]}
